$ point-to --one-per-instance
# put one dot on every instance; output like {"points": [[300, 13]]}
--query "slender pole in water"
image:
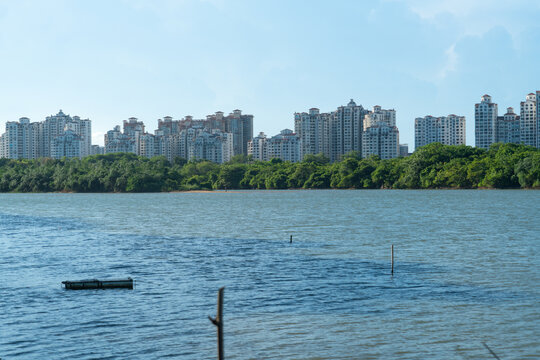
{"points": [[392, 259], [290, 242], [491, 351], [218, 322]]}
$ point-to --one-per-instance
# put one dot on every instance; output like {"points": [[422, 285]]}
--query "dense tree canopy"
{"points": [[430, 167]]}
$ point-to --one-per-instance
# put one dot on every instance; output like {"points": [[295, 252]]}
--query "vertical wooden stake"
{"points": [[218, 322], [291, 240], [491, 351], [392, 259]]}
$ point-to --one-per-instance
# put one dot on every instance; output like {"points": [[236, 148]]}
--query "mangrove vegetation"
{"points": [[434, 166]]}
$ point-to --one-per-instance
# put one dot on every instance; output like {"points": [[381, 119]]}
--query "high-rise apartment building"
{"points": [[186, 137], [453, 130], [133, 126], [538, 119], [207, 139], [313, 128], [32, 140], [216, 146], [241, 128], [528, 121], [85, 131], [379, 115], [426, 130], [257, 147], [146, 145], [238, 124], [3, 150], [380, 136], [448, 130], [346, 127], [21, 140], [53, 126], [381, 140], [485, 118], [284, 146], [68, 145], [12, 141], [168, 126], [164, 143], [342, 131], [116, 141], [508, 127]]}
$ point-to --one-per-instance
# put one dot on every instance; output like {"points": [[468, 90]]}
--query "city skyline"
{"points": [[116, 59], [98, 138], [351, 119]]}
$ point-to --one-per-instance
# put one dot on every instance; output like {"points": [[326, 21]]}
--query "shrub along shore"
{"points": [[434, 166]]}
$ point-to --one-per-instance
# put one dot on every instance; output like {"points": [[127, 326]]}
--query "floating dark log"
{"points": [[98, 284]]}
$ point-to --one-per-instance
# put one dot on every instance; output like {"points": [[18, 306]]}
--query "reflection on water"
{"points": [[466, 272]]}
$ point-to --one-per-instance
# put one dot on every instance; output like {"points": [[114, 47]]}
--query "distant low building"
{"points": [[97, 150], [403, 150]]}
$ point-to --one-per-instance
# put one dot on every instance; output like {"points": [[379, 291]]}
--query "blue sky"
{"points": [[109, 60]]}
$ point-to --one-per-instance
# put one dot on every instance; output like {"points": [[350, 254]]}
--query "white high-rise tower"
{"points": [[528, 124], [485, 118]]}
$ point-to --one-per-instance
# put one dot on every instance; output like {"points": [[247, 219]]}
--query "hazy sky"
{"points": [[109, 60]]}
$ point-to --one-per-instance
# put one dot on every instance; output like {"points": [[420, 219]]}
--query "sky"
{"points": [[108, 60]]}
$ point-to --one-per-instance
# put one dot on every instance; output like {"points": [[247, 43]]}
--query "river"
{"points": [[466, 272]]}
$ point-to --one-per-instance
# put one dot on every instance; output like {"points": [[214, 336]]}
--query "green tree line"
{"points": [[431, 167]]}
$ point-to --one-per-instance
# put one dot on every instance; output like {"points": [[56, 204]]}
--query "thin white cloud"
{"points": [[451, 62], [430, 9], [477, 17]]}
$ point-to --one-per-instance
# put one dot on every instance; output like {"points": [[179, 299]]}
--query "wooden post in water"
{"points": [[491, 351], [291, 240], [218, 322], [392, 259]]}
